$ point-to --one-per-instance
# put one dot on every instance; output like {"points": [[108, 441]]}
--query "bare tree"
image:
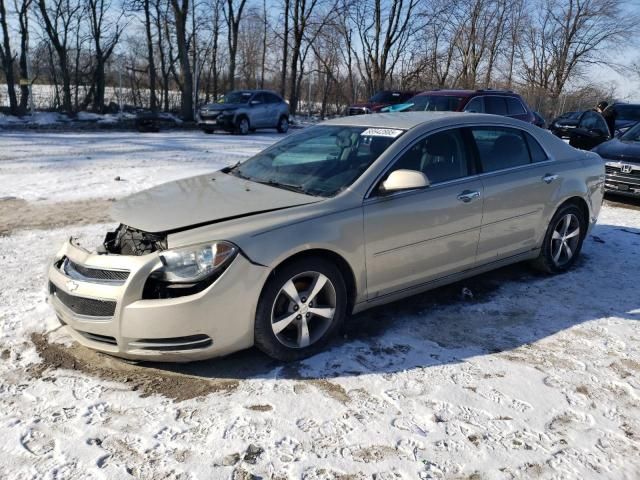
{"points": [[569, 35], [181, 12], [384, 29], [59, 18], [7, 58], [233, 16], [105, 33]]}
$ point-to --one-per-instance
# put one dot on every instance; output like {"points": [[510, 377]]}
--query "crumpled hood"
{"points": [[201, 200], [618, 150]]}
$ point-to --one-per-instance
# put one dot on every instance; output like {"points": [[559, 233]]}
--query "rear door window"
{"points": [[271, 98], [495, 105], [501, 147], [514, 106]]}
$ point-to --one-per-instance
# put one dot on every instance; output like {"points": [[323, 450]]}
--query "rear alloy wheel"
{"points": [[563, 240], [283, 125], [243, 126], [301, 308]]}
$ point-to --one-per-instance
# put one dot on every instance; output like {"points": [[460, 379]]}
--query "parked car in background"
{"points": [[591, 131], [242, 111], [352, 213], [539, 120], [496, 102], [381, 99], [626, 115], [622, 162], [562, 125]]}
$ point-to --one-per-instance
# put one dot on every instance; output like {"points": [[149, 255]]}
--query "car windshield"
{"points": [[236, 97], [632, 135], [385, 97], [434, 103], [628, 112], [320, 161]]}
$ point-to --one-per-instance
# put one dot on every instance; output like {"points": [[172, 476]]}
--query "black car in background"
{"points": [[622, 162], [562, 125], [626, 115], [591, 131]]}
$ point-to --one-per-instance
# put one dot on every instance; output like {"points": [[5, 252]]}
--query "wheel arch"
{"points": [[331, 256], [579, 202]]}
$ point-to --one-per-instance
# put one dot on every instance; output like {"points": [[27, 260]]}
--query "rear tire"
{"points": [[301, 308], [242, 126], [283, 124], [563, 241]]}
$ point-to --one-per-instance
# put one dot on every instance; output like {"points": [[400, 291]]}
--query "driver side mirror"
{"points": [[402, 179]]}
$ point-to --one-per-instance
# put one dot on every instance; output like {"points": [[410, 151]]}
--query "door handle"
{"points": [[548, 178], [468, 195]]}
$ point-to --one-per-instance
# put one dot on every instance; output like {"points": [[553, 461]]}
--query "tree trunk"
{"points": [[7, 61], [285, 50], [186, 104], [153, 100]]}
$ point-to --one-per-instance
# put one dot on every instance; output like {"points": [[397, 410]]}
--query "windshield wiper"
{"points": [[284, 186]]}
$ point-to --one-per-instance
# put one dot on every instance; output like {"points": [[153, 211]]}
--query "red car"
{"points": [[383, 98], [498, 102]]}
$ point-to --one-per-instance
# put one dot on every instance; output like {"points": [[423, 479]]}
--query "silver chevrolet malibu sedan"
{"points": [[278, 250]]}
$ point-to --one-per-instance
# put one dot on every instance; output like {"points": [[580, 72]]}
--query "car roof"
{"points": [[409, 120], [469, 93]]}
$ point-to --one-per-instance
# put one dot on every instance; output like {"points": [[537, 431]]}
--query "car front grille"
{"points": [[190, 342], [90, 274], [89, 307], [615, 175]]}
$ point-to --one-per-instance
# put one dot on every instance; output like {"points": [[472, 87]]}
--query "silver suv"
{"points": [[242, 111]]}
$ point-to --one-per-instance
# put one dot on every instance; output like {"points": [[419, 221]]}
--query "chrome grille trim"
{"points": [[83, 273]]}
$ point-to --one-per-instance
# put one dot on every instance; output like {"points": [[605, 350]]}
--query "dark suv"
{"points": [[626, 115], [382, 99], [498, 102]]}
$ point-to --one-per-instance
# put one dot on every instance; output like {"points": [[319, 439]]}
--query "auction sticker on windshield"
{"points": [[381, 132]]}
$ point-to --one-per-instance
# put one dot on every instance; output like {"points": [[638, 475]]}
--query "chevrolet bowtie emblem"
{"points": [[72, 286]]}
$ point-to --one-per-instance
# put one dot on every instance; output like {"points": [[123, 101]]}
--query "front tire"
{"points": [[301, 308], [563, 240]]}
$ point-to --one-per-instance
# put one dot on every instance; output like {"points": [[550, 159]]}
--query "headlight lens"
{"points": [[193, 264]]}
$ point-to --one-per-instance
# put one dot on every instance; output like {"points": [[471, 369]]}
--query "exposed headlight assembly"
{"points": [[189, 270]]}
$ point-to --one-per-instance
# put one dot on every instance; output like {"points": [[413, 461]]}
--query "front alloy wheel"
{"points": [[303, 310], [301, 307]]}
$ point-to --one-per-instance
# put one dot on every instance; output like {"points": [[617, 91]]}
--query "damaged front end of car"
{"points": [[126, 240]]}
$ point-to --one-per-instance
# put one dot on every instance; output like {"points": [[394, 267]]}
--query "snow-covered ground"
{"points": [[532, 377]]}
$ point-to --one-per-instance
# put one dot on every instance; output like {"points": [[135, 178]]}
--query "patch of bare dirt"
{"points": [[259, 408], [147, 380], [332, 390], [18, 214]]}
